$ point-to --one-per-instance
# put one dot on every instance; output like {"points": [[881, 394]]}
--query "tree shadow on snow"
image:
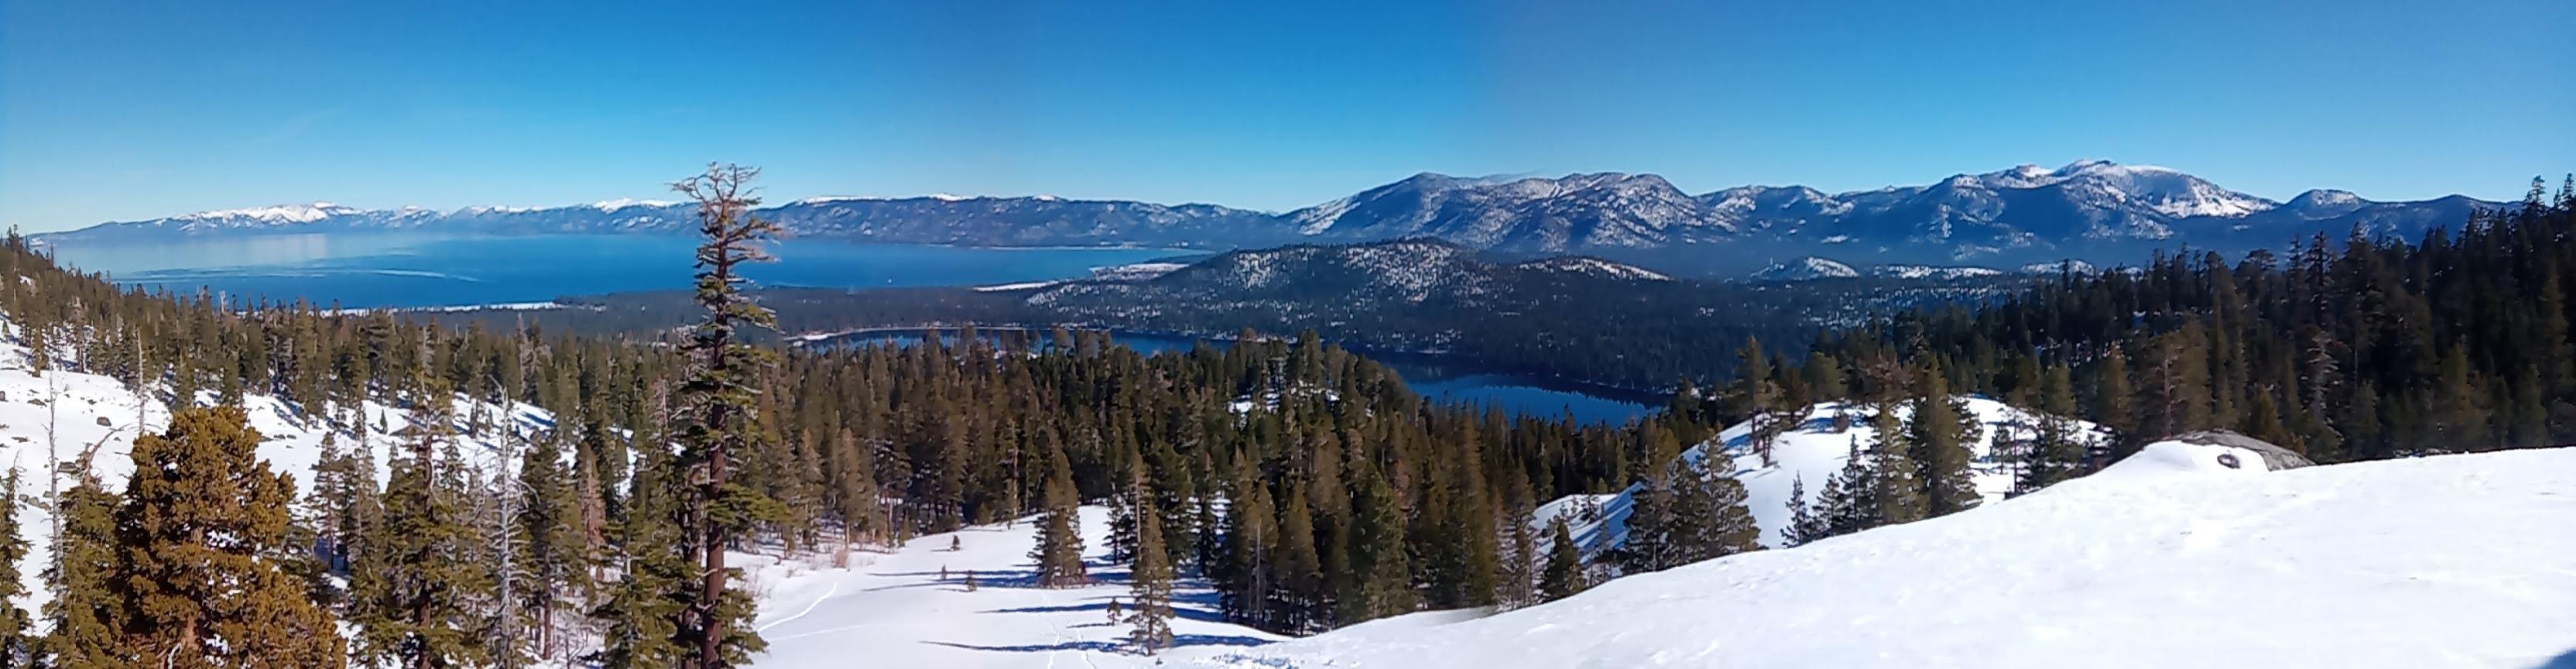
{"points": [[1178, 641]]}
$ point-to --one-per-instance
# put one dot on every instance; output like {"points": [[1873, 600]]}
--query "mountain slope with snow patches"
{"points": [[2167, 559], [2095, 209]]}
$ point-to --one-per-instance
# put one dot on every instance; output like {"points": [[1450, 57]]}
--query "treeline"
{"points": [[2363, 348]]}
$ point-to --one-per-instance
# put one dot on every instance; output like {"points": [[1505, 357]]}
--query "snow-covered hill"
{"points": [[2168, 559], [1802, 269], [61, 415], [1932, 272]]}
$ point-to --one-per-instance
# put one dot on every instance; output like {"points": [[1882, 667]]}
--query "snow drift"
{"points": [[2168, 559]]}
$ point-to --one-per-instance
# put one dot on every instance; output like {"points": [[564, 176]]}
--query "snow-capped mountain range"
{"points": [[2087, 209]]}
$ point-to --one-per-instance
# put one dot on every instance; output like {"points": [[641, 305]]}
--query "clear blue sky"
{"points": [[126, 110]]}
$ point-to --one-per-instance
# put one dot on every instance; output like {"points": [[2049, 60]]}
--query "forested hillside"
{"points": [[2360, 348]]}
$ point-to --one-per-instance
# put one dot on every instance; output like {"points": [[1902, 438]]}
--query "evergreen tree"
{"points": [[722, 418], [1386, 585], [1564, 573], [1059, 550], [1899, 488], [17, 643], [1150, 584], [552, 551], [1250, 540], [410, 603], [1805, 525], [199, 541], [1299, 599], [83, 620], [1941, 430], [642, 612], [1126, 510]]}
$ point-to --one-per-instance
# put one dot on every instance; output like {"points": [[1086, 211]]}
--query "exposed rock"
{"points": [[2275, 458]]}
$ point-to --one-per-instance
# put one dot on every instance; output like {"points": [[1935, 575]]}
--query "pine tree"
{"points": [[642, 611], [1517, 547], [552, 549], [1059, 550], [1126, 510], [1805, 525], [1648, 542], [1150, 584], [1298, 602], [1250, 540], [1899, 487], [410, 601], [1731, 529], [198, 544], [17, 646], [1564, 573], [1940, 436], [1386, 572], [722, 418], [83, 619], [2114, 403]]}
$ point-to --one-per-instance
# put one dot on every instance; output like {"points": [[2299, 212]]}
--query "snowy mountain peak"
{"points": [[622, 203], [284, 213]]}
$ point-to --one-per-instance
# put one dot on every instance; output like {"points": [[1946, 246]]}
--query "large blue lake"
{"points": [[414, 269], [411, 269]]}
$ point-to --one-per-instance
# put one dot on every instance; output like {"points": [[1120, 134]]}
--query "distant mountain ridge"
{"points": [[2089, 209]]}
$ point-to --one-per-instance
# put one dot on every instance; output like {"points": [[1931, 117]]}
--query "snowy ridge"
{"points": [[285, 213], [1810, 267], [1931, 272], [1812, 453], [2018, 215], [2163, 560], [1596, 267]]}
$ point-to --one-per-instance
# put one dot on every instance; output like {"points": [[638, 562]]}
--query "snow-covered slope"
{"points": [[1812, 452], [1810, 267], [894, 610], [57, 416], [1932, 272], [2165, 560]]}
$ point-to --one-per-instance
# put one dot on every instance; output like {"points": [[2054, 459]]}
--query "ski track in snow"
{"points": [[809, 608]]}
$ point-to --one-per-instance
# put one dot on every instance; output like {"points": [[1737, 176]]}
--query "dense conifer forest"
{"points": [[2352, 349]]}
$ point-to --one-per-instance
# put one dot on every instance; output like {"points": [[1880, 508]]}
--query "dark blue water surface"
{"points": [[413, 269], [417, 269]]}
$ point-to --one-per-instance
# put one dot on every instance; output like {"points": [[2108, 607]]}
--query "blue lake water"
{"points": [[414, 269], [410, 269]]}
